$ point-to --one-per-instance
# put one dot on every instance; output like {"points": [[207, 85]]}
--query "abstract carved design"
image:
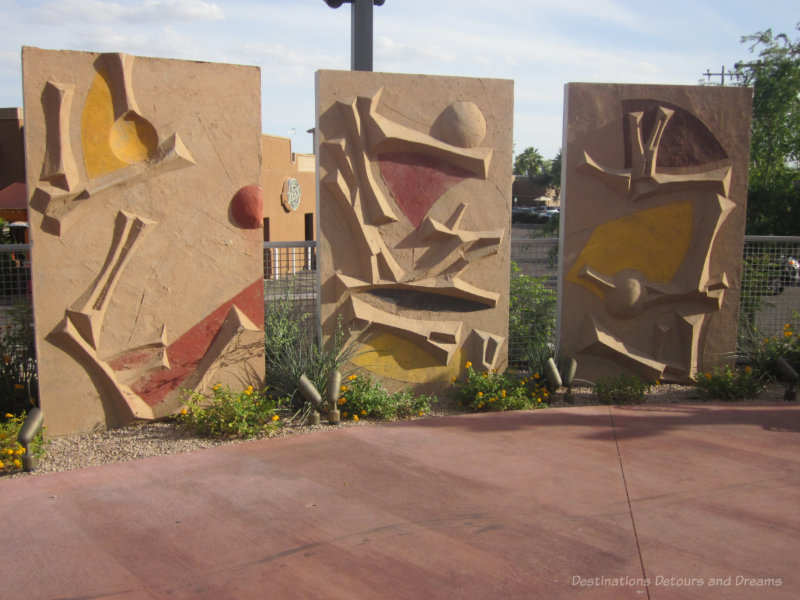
{"points": [[405, 194], [147, 274], [650, 261]]}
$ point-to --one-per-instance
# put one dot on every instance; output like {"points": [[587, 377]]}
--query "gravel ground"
{"points": [[154, 439]]}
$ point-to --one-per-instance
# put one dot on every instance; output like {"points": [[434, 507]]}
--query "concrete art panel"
{"points": [[145, 213], [414, 212], [653, 212]]}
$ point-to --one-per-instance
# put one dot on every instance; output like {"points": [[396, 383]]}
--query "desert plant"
{"points": [[361, 397], [621, 389], [11, 452], [484, 391], [293, 348], [242, 414], [762, 352], [729, 384]]}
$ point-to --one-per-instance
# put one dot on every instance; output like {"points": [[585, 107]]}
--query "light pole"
{"points": [[360, 31]]}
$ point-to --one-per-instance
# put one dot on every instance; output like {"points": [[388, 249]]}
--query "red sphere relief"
{"points": [[247, 207]]}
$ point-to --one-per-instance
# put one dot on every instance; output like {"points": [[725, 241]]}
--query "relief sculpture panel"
{"points": [[652, 228], [414, 210], [146, 277]]}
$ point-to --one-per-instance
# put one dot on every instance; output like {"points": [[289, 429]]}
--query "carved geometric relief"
{"points": [[414, 216], [652, 231], [144, 283]]}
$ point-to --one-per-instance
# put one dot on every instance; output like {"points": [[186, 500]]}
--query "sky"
{"points": [[541, 45]]}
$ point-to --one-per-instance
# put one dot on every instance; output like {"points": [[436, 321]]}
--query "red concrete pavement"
{"points": [[594, 502]]}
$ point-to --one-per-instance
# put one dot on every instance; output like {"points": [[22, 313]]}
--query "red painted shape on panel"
{"points": [[417, 181], [247, 207], [188, 350], [133, 359]]}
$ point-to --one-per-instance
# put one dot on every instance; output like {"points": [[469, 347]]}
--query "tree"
{"points": [[774, 179], [530, 162]]}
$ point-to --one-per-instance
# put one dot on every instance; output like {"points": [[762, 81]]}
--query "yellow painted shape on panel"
{"points": [[392, 357], [110, 144], [654, 241]]}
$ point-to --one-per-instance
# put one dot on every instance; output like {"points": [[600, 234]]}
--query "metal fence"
{"points": [[770, 294], [290, 284]]}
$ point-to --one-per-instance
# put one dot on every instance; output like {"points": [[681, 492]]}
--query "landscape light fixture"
{"points": [[360, 31]]}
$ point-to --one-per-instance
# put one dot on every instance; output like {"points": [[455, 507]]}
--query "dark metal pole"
{"points": [[361, 36], [360, 31]]}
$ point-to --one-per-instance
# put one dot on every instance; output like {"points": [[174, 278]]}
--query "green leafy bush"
{"points": [[531, 321], [491, 391], [244, 414], [11, 451], [18, 375], [363, 398], [729, 384], [622, 389]]}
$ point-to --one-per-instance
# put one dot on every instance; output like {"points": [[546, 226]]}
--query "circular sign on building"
{"points": [[290, 196]]}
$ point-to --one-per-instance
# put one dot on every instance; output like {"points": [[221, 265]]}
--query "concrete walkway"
{"points": [[667, 502]]}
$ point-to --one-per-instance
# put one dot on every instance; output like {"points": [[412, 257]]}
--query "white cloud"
{"points": [[149, 11]]}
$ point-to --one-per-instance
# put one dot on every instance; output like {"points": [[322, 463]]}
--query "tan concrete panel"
{"points": [[414, 210], [143, 180], [652, 230]]}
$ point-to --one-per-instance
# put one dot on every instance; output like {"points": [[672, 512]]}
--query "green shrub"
{"points": [[622, 389], [11, 451], [531, 321], [729, 384], [18, 375], [491, 391], [228, 414], [363, 398]]}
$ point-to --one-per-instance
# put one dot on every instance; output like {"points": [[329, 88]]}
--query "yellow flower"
{"points": [[657, 382], [184, 411], [1, 464], [9, 416], [342, 401], [503, 393], [20, 451], [787, 334], [17, 463], [492, 399], [708, 375], [452, 380], [480, 394], [536, 376], [248, 392], [344, 415], [787, 326], [467, 365], [363, 412], [8, 451], [480, 405], [343, 388], [494, 370], [216, 387], [275, 417], [355, 417], [538, 399], [422, 413], [486, 373], [748, 369]]}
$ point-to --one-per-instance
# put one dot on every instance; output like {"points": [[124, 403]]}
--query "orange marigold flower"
{"points": [[355, 417], [275, 417], [184, 411], [467, 365]]}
